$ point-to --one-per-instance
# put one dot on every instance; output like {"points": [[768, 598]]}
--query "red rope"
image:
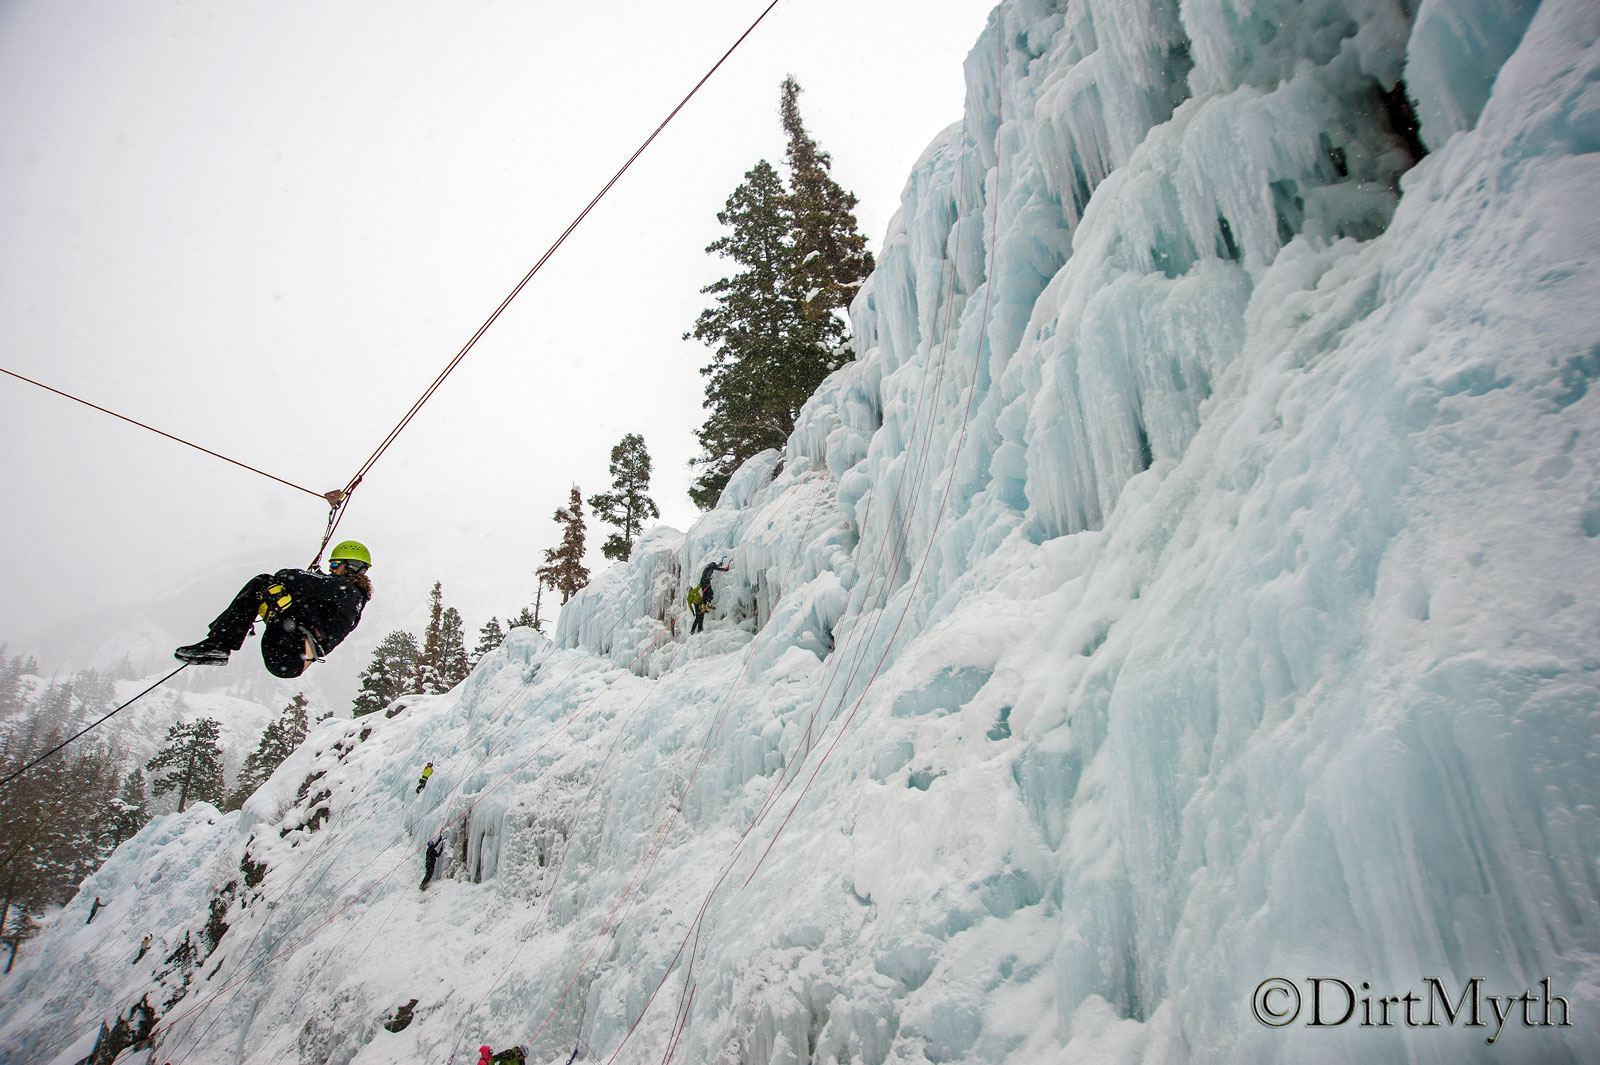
{"points": [[158, 432], [484, 328]]}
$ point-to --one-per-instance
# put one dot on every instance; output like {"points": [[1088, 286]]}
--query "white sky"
{"points": [[267, 226]]}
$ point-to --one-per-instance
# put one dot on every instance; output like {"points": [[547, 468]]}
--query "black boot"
{"points": [[208, 652]]}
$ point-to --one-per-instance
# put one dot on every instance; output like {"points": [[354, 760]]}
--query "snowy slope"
{"points": [[1192, 586]]}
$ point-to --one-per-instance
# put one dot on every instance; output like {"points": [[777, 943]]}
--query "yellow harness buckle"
{"points": [[277, 599]]}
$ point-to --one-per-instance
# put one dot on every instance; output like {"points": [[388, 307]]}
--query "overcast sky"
{"points": [[266, 227]]}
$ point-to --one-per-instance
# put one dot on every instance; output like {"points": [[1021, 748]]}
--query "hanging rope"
{"points": [[85, 729]]}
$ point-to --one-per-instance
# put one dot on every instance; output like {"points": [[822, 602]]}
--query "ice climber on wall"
{"points": [[706, 593], [307, 613]]}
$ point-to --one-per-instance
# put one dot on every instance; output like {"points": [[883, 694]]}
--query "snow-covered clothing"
{"points": [[327, 607]]}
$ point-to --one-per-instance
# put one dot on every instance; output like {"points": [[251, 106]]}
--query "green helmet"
{"points": [[351, 549]]}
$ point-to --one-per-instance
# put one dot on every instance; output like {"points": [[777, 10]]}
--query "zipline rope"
{"points": [[169, 436], [86, 728], [472, 341], [339, 499]]}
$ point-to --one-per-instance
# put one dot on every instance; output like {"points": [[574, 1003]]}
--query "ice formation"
{"points": [[1192, 585]]}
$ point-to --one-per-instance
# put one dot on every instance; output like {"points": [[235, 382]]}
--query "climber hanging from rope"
{"points": [[307, 613]]}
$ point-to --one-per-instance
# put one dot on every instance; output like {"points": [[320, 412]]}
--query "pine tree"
{"points": [[19, 927], [775, 330], [190, 763], [564, 569], [84, 837], [831, 256], [278, 741], [627, 505], [55, 707], [490, 637], [57, 825], [31, 811], [453, 665], [11, 701], [393, 673], [128, 814], [429, 678], [757, 329]]}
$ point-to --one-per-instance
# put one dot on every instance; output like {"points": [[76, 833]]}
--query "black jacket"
{"points": [[705, 574], [329, 606]]}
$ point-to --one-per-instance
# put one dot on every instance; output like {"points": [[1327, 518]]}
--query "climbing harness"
{"points": [[274, 601]]}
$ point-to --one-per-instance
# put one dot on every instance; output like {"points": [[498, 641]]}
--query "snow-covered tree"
{"points": [[491, 636], [442, 663], [278, 741], [831, 259], [429, 679], [628, 503], [774, 329], [31, 810], [20, 926], [453, 663], [392, 673], [190, 763], [752, 329], [127, 813], [55, 826]]}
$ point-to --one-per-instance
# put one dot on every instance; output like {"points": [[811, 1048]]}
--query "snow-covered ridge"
{"points": [[1192, 585]]}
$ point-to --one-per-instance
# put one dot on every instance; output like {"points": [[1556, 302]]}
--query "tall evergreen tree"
{"points": [[19, 927], [190, 763], [392, 673], [84, 837], [278, 741], [453, 664], [775, 330], [564, 569], [11, 696], [96, 694], [830, 251], [55, 707], [429, 678], [31, 809], [54, 827], [628, 504], [128, 814], [757, 330]]}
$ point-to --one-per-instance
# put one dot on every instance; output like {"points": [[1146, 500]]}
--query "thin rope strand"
{"points": [[97, 724], [158, 432], [484, 328]]}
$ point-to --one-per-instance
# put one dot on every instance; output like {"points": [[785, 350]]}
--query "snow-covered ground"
{"points": [[1178, 629]]}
